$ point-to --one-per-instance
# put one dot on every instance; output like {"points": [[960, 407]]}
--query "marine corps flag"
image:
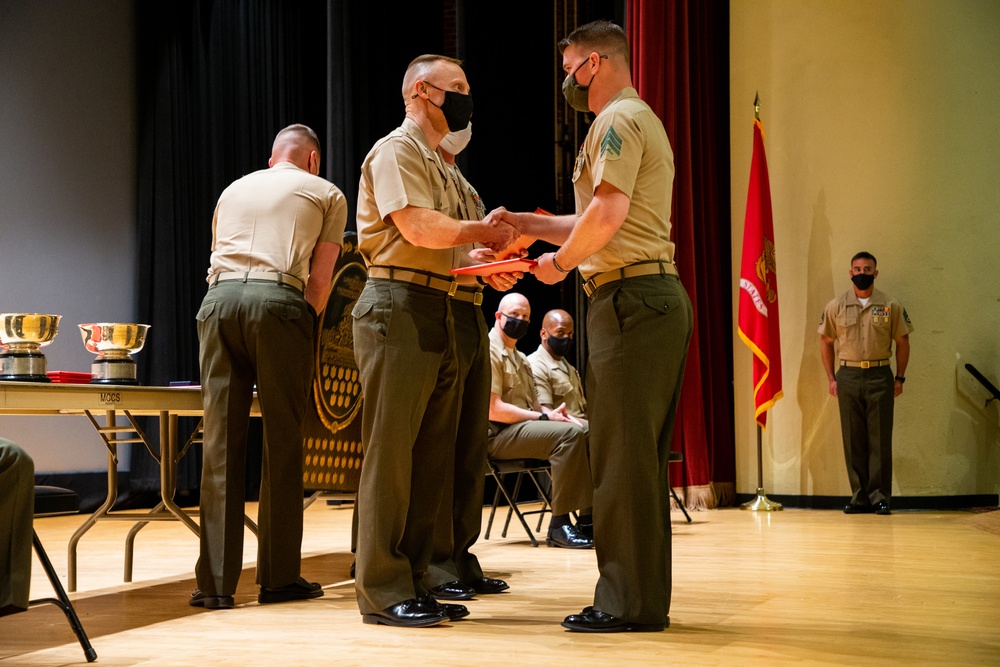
{"points": [[758, 315]]}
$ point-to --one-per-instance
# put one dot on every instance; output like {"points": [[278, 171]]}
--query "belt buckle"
{"points": [[589, 287], [866, 364], [477, 300], [453, 289]]}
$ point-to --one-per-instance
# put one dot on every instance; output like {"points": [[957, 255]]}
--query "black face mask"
{"points": [[559, 346], [863, 280], [515, 328], [457, 108]]}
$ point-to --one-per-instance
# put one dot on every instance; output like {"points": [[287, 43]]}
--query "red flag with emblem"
{"points": [[758, 314]]}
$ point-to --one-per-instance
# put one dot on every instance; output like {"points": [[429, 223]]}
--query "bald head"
{"points": [[557, 332], [557, 318], [514, 301], [513, 315], [299, 145]]}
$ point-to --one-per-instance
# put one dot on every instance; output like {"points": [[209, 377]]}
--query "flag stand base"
{"points": [[761, 503]]}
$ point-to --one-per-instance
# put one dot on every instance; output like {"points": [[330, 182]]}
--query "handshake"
{"points": [[502, 230], [502, 238]]}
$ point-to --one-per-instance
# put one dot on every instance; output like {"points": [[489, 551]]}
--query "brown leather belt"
{"points": [[473, 295], [268, 276], [865, 364], [650, 268]]}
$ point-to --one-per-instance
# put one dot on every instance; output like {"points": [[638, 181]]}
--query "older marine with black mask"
{"points": [[411, 233]]}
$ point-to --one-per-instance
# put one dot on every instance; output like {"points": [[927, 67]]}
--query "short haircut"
{"points": [[302, 135], [419, 67], [604, 37], [864, 255]]}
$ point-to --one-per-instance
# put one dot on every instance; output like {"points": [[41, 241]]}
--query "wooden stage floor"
{"points": [[793, 587]]}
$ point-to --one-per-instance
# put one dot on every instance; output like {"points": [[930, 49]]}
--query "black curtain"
{"points": [[215, 82]]}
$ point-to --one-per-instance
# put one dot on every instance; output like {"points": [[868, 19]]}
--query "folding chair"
{"points": [[498, 469], [677, 457], [49, 501]]}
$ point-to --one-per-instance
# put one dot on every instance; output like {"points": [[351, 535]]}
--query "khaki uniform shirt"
{"points": [[512, 379], [628, 148], [402, 170], [557, 382], [864, 333], [272, 219], [471, 207]]}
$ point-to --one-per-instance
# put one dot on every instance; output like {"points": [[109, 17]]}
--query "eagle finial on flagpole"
{"points": [[756, 106]]}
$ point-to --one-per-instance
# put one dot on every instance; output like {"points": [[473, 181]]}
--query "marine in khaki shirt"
{"points": [[556, 381], [619, 238], [865, 323], [407, 324], [520, 428]]}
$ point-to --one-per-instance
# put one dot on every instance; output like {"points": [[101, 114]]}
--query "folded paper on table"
{"points": [[505, 266]]}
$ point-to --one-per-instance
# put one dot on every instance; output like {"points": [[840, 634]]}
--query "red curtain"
{"points": [[680, 67]]}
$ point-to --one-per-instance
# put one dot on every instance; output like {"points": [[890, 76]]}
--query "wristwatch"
{"points": [[900, 380], [543, 417]]}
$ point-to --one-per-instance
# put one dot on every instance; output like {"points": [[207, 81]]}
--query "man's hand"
{"points": [[833, 387], [560, 415], [499, 236], [501, 215], [502, 282], [483, 255], [546, 271], [486, 256], [897, 388]]}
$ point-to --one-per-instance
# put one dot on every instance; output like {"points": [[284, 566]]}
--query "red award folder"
{"points": [[503, 266]]}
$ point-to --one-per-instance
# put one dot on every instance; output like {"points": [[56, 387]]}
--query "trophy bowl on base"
{"points": [[22, 335], [114, 343]]}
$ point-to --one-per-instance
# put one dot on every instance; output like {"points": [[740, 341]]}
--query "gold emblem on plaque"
{"points": [[336, 385]]}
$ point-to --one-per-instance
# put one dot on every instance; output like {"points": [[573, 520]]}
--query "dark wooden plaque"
{"points": [[332, 428]]}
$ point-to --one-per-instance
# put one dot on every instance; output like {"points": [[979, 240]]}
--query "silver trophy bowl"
{"points": [[22, 336], [114, 344]]}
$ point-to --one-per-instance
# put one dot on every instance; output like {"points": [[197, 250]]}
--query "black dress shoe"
{"points": [[454, 611], [453, 590], [354, 565], [300, 590], [858, 509], [199, 599], [592, 620], [586, 529], [407, 614], [568, 537], [487, 586], [882, 507]]}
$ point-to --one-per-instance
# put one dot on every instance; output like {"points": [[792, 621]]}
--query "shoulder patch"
{"points": [[611, 144], [906, 317]]}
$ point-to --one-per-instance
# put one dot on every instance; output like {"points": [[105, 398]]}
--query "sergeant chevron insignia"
{"points": [[611, 144]]}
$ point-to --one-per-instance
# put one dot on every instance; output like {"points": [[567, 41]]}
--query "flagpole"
{"points": [[761, 503]]}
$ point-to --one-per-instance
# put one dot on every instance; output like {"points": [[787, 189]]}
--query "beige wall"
{"points": [[882, 123]]}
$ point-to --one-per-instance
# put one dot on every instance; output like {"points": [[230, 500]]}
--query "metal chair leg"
{"points": [[63, 602], [680, 504]]}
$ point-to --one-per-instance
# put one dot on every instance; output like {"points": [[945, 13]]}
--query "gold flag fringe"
{"points": [[706, 497]]}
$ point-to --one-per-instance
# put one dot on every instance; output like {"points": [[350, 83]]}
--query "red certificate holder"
{"points": [[504, 266]]}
